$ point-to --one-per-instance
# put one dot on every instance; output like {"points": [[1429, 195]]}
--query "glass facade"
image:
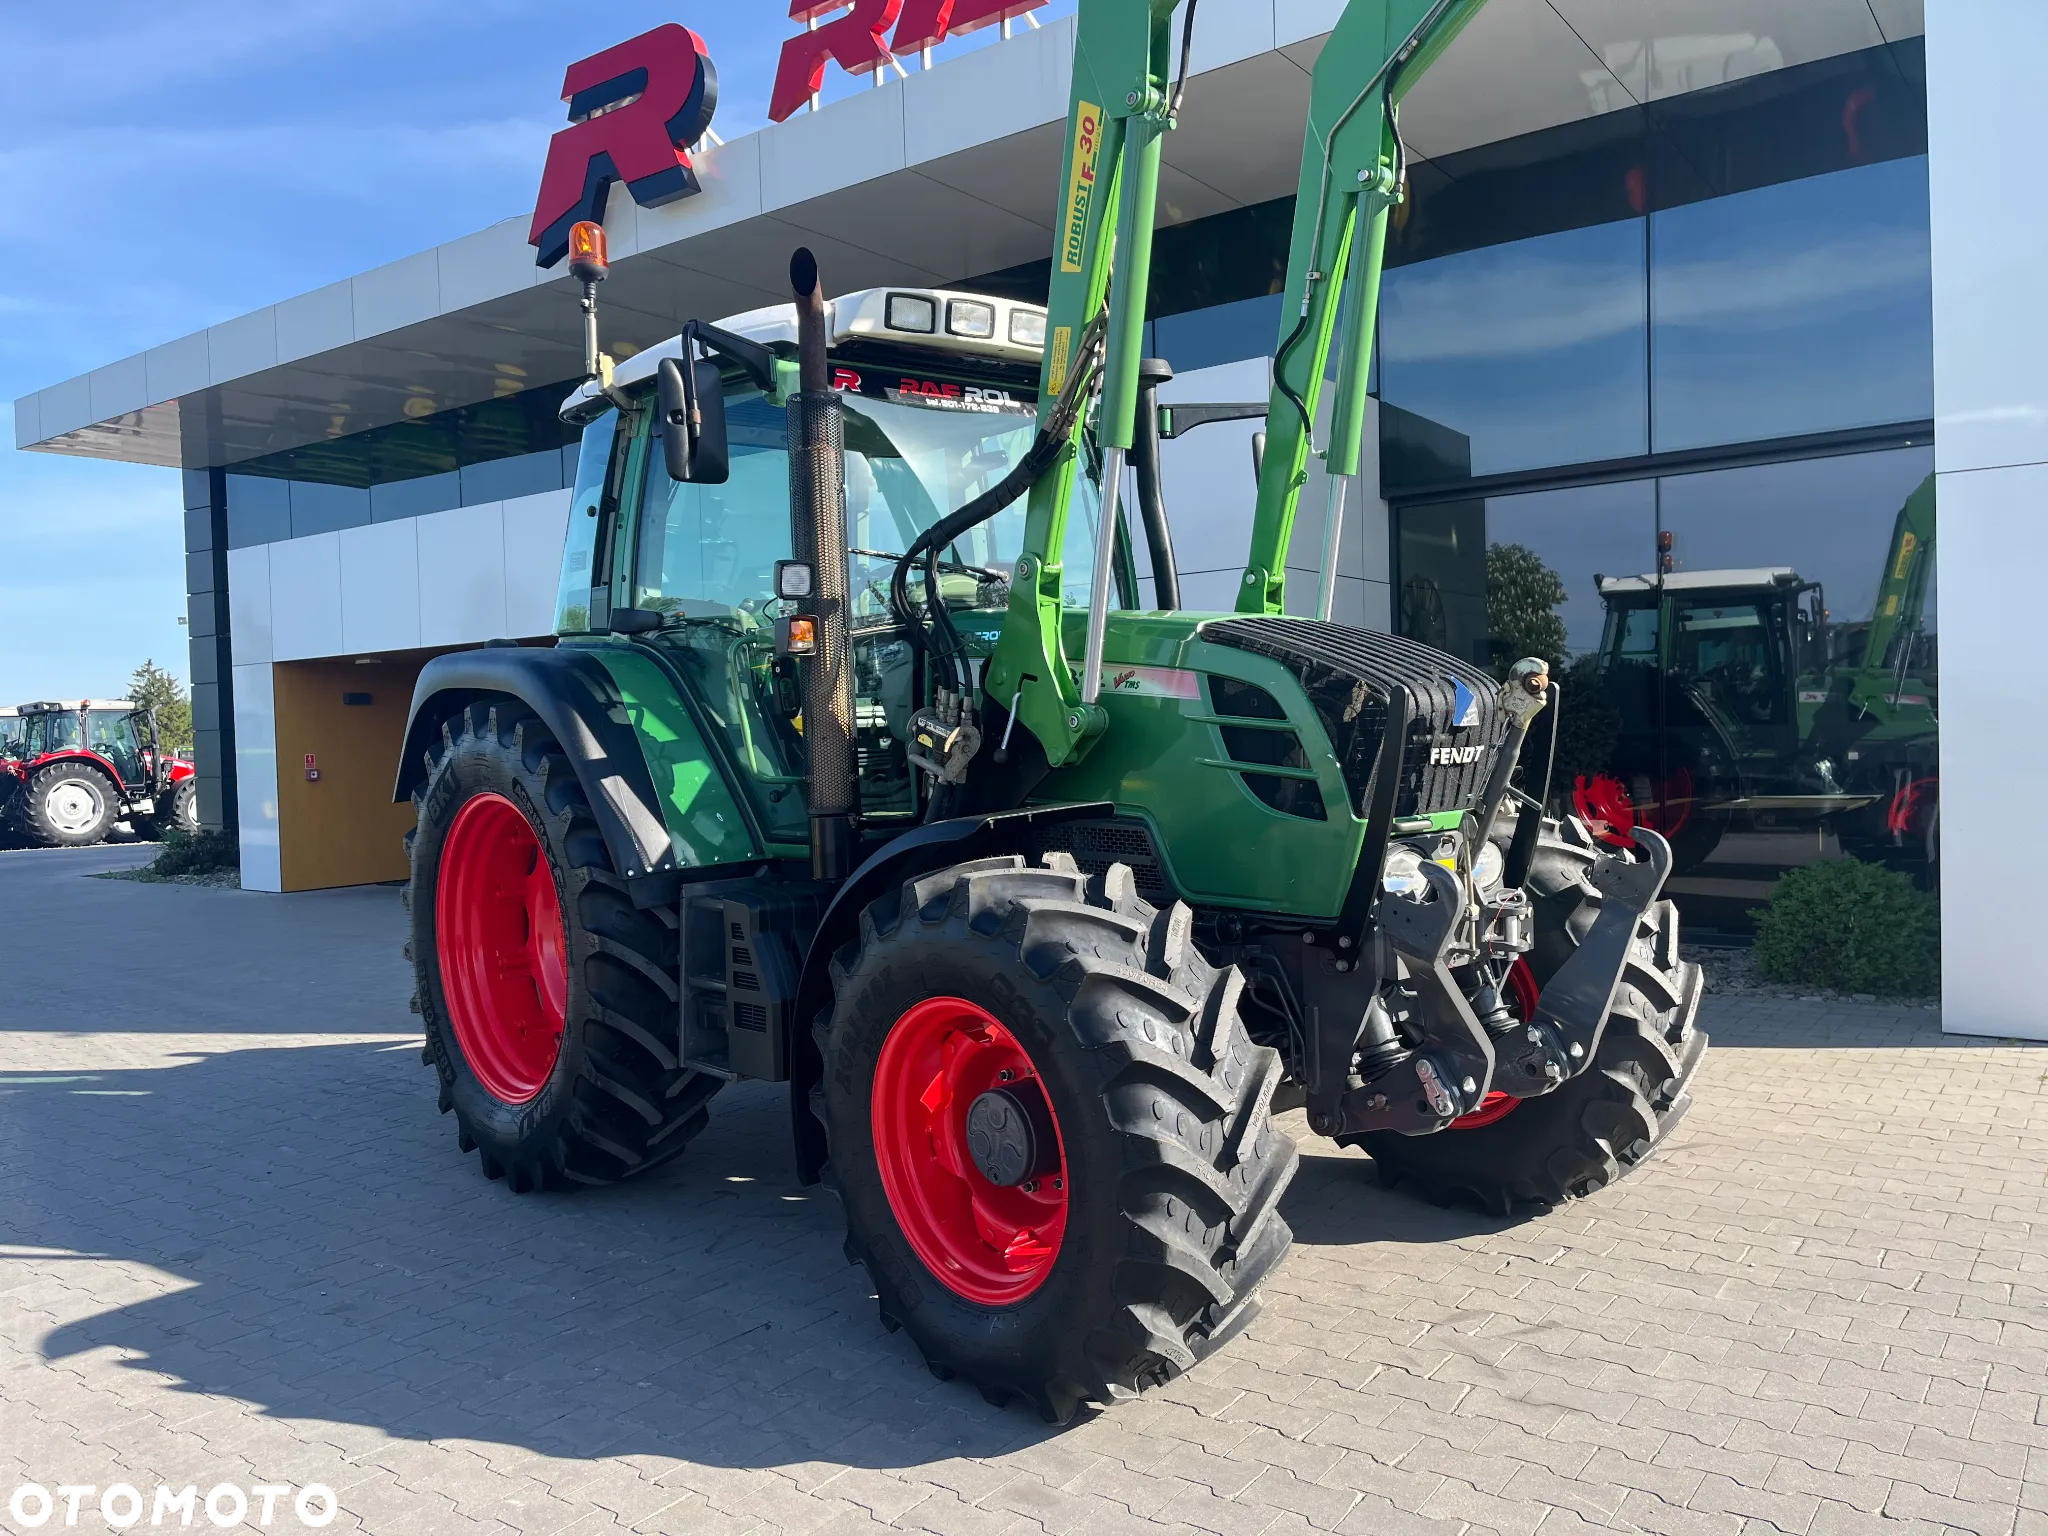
{"points": [[1655, 391], [1680, 447], [492, 451]]}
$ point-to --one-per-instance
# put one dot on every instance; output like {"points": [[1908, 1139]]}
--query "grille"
{"points": [[1096, 845], [1351, 674]]}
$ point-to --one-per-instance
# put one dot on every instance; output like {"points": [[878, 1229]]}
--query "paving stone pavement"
{"points": [[237, 1245]]}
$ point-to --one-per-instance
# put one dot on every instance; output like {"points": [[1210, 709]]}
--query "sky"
{"points": [[169, 165]]}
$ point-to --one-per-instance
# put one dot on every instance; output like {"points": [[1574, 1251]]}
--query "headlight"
{"points": [[1488, 867], [1402, 874]]}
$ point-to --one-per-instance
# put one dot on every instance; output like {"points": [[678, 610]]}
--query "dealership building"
{"points": [[1723, 282]]}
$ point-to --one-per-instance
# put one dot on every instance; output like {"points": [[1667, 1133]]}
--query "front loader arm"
{"points": [[1109, 185], [1121, 106], [1350, 178]]}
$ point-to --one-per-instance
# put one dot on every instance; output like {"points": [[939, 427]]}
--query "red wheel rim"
{"points": [[498, 931], [987, 1242], [1522, 993]]}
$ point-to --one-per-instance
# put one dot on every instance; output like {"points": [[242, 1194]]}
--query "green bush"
{"points": [[1852, 926], [196, 853]]}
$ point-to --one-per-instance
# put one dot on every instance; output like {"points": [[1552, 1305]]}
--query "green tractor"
{"points": [[1736, 701], [857, 766]]}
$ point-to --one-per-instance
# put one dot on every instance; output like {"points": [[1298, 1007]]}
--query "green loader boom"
{"points": [[1123, 105]]}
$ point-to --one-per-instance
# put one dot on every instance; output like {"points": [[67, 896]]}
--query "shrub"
{"points": [[1852, 926], [196, 853]]}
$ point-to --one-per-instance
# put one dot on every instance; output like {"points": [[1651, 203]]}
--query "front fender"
{"points": [[578, 700]]}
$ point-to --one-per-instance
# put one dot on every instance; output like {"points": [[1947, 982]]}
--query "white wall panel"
{"points": [[857, 138], [730, 179], [67, 406], [244, 345], [534, 530], [462, 575], [118, 388], [178, 368], [1994, 737], [482, 266], [990, 94], [28, 420], [249, 603], [399, 293], [1991, 451], [305, 597], [256, 777], [316, 322], [1990, 237], [380, 586]]}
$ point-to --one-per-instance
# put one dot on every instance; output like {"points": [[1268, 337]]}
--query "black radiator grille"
{"points": [[1351, 674], [1096, 845]]}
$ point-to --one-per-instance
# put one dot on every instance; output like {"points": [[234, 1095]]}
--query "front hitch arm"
{"points": [[1559, 1042], [1452, 1071]]}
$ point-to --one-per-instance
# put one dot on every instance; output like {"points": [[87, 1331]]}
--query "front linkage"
{"points": [[1415, 1033]]}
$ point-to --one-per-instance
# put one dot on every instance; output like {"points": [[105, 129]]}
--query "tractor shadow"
{"points": [[1338, 1200], [322, 1251]]}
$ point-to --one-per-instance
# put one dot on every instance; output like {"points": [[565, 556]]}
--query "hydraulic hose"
{"points": [[1041, 456]]}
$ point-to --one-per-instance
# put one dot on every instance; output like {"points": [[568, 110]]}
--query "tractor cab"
{"points": [[940, 394]]}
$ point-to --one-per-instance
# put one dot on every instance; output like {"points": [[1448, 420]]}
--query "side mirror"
{"points": [[695, 400]]}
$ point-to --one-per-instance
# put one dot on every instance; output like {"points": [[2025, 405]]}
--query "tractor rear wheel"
{"points": [[549, 1000], [68, 805], [1607, 1120], [1052, 1137]]}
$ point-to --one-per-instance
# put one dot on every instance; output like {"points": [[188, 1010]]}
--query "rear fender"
{"points": [[577, 699], [918, 851], [74, 755]]}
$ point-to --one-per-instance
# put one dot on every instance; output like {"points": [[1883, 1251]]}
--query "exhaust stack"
{"points": [[817, 513]]}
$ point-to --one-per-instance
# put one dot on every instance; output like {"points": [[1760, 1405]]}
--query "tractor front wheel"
{"points": [[1052, 1137], [68, 805], [549, 999], [180, 810]]}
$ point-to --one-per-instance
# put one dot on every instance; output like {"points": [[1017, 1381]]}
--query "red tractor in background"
{"points": [[71, 768]]}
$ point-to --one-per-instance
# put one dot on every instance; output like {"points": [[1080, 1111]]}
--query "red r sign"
{"points": [[634, 112], [855, 39]]}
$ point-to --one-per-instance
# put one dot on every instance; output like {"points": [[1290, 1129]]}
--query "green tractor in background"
{"points": [[1737, 702], [857, 766]]}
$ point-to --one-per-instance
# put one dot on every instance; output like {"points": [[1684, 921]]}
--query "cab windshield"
{"points": [[709, 551]]}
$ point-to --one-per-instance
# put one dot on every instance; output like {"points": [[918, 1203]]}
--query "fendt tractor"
{"points": [[75, 767], [1737, 700], [857, 766]]}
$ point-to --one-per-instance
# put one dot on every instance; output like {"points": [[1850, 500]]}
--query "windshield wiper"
{"points": [[892, 556]]}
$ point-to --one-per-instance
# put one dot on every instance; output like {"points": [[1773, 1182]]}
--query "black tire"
{"points": [[1608, 1119], [1163, 1106], [48, 811], [180, 812], [617, 1102]]}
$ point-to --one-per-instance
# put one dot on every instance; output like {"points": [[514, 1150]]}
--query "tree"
{"points": [[153, 686], [1522, 594]]}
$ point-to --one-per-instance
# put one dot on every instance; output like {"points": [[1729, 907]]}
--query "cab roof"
{"points": [[71, 706], [1757, 578], [872, 314]]}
